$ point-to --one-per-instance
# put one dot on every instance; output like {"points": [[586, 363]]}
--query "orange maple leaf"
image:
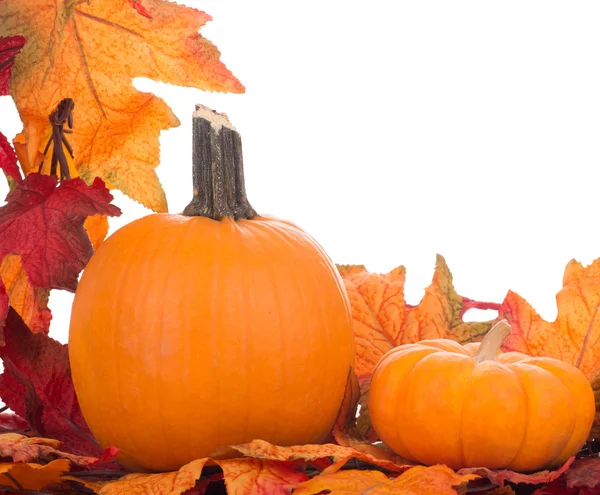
{"points": [[31, 476], [30, 303], [573, 337], [20, 448], [419, 480], [90, 52]]}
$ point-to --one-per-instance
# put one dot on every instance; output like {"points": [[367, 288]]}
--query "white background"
{"points": [[392, 131]]}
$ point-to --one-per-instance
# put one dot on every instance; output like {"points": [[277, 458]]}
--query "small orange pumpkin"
{"points": [[437, 402], [214, 327]]}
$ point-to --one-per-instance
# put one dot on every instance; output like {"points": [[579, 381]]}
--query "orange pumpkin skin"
{"points": [[188, 334], [432, 402]]}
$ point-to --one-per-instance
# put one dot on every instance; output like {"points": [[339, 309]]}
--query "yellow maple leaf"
{"points": [[90, 52]]}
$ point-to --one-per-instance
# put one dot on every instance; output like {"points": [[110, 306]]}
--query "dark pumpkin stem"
{"points": [[61, 116], [491, 343], [218, 169]]}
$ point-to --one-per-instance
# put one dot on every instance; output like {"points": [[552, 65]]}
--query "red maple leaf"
{"points": [[44, 225], [37, 385], [3, 305], [8, 160], [9, 47]]}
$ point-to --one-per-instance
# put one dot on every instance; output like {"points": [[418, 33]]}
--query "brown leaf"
{"points": [[584, 472], [344, 429]]}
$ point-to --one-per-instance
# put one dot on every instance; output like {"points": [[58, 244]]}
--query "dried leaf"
{"points": [[9, 47], [44, 225], [340, 455], [584, 473], [258, 477], [90, 52], [12, 423], [344, 429], [20, 448], [421, 480], [572, 335], [500, 476], [32, 476], [36, 384], [29, 302]]}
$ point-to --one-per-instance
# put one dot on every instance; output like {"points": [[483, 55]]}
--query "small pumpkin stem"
{"points": [[491, 343], [218, 169]]}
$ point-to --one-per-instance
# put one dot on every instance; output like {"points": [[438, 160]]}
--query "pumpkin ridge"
{"points": [[526, 395], [400, 403], [463, 456]]}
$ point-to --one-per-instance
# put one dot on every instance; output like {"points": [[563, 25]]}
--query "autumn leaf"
{"points": [[36, 384], [500, 476], [31, 303], [90, 52], [419, 480], [31, 476], [573, 337], [3, 305], [9, 47], [21, 448], [8, 160], [383, 320], [44, 225], [584, 473], [12, 423]]}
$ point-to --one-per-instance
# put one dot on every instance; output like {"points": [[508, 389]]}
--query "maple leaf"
{"points": [[12, 423], [31, 476], [383, 320], [573, 337], [9, 47], [584, 473], [500, 476], [36, 384], [137, 5], [8, 160], [90, 52], [419, 480], [3, 305], [44, 225], [21, 448]]}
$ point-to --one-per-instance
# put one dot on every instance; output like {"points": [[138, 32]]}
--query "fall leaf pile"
{"points": [[68, 65]]}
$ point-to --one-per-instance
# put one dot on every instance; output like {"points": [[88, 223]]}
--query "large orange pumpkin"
{"points": [[209, 328], [439, 402]]}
